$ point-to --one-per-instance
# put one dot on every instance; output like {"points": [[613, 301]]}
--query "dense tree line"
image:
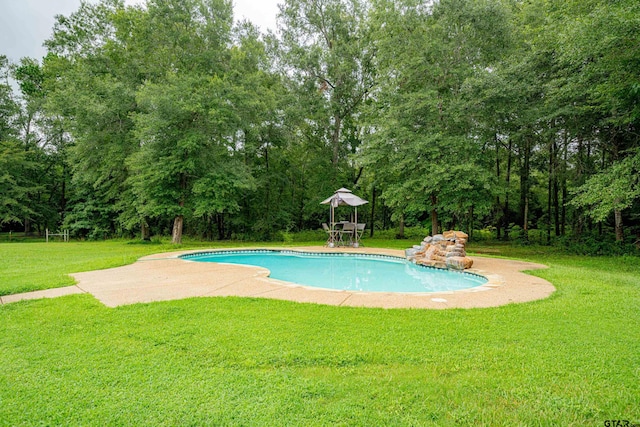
{"points": [[470, 114]]}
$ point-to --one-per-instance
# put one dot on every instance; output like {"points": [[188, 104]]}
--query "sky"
{"points": [[26, 24]]}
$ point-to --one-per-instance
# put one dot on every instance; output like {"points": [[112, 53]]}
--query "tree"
{"points": [[190, 118], [418, 124], [16, 167], [593, 94], [325, 55], [186, 162], [453, 113], [611, 191], [91, 77], [14, 203]]}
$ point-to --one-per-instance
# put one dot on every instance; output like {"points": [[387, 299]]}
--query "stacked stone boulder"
{"points": [[446, 250]]}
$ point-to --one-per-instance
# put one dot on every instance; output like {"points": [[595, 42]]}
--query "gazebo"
{"points": [[343, 197]]}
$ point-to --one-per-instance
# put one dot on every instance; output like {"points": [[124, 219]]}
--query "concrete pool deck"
{"points": [[165, 276]]}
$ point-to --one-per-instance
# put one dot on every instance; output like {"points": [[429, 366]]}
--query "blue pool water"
{"points": [[353, 272]]}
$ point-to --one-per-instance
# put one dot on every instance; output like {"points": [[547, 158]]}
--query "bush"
{"points": [[538, 236], [290, 237], [594, 245], [486, 234], [310, 236], [410, 233]]}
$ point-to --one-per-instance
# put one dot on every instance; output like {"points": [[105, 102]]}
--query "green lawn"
{"points": [[32, 266], [573, 359]]}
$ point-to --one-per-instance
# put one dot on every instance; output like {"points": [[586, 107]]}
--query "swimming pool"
{"points": [[346, 271]]}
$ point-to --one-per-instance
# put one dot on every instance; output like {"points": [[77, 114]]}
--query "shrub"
{"points": [[309, 235], [594, 245], [487, 233], [410, 233]]}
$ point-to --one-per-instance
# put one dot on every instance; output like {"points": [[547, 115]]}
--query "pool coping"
{"points": [[166, 276], [333, 251]]}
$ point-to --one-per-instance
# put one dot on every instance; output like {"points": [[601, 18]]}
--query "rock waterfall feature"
{"points": [[446, 250]]}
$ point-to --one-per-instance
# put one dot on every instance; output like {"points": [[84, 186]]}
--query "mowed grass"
{"points": [[571, 360], [33, 266]]}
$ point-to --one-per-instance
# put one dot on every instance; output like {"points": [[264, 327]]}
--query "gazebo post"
{"points": [[333, 227], [355, 230]]}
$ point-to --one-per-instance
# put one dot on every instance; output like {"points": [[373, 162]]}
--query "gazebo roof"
{"points": [[344, 196]]}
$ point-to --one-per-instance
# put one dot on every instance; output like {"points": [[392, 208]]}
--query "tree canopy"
{"points": [[171, 118]]}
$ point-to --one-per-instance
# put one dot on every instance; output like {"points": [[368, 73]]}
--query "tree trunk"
{"points": [[373, 210], [563, 185], [63, 196], [554, 188], [178, 222], [505, 214], [266, 213], [549, 213], [556, 206], [524, 182], [525, 228], [336, 139], [617, 213], [385, 217], [208, 229], [357, 177], [176, 234], [578, 216], [498, 219], [434, 215], [498, 207], [144, 231], [401, 227], [549, 192], [563, 215], [220, 225]]}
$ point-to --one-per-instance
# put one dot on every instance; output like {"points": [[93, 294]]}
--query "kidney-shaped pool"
{"points": [[346, 271]]}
